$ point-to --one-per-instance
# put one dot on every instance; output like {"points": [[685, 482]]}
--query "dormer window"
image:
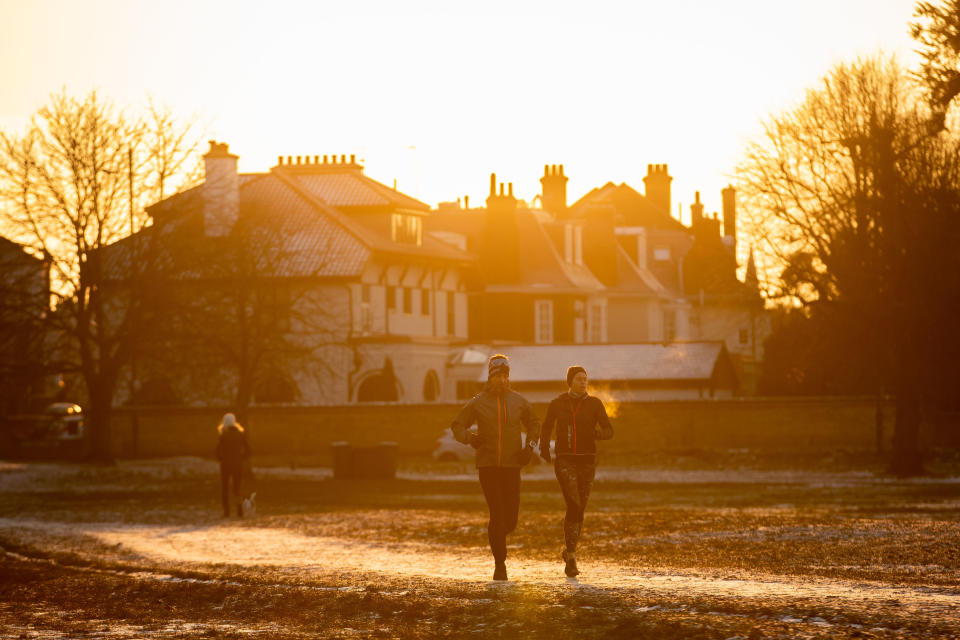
{"points": [[573, 243], [406, 229]]}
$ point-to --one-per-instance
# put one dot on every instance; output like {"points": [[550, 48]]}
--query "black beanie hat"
{"points": [[572, 371]]}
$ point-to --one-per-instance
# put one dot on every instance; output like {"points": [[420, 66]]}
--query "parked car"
{"points": [[56, 430], [64, 421], [448, 449]]}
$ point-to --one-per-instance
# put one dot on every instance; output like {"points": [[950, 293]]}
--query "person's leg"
{"points": [[236, 472], [225, 489], [566, 471], [585, 474], [510, 493], [490, 483]]}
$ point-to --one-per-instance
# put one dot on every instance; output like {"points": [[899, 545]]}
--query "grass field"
{"points": [[694, 550]]}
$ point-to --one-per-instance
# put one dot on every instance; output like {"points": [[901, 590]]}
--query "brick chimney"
{"points": [[730, 213], [553, 194], [600, 243], [500, 253], [657, 186], [221, 190]]}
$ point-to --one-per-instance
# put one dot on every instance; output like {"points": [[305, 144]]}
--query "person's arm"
{"points": [[462, 422], [604, 428], [545, 431]]}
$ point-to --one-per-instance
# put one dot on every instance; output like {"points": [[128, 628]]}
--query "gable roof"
{"points": [[631, 207], [540, 267], [686, 361], [350, 189]]}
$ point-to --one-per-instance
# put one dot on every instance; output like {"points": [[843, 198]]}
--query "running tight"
{"points": [[501, 488]]}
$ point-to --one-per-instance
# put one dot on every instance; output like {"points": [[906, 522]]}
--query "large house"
{"points": [[613, 268], [317, 285], [341, 290]]}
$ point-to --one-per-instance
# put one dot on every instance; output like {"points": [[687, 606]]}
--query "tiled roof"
{"points": [[540, 266], [370, 237], [633, 279], [353, 189], [312, 243], [631, 207], [690, 361]]}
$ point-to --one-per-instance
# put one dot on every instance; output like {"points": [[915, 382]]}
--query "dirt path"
{"points": [[305, 557]]}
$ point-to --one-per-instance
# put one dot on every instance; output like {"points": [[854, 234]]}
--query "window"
{"points": [[543, 322], [669, 325], [579, 321], [407, 300], [744, 336], [578, 245], [431, 386], [568, 242], [597, 323], [366, 313], [661, 253], [451, 314], [406, 229], [425, 302], [391, 298]]}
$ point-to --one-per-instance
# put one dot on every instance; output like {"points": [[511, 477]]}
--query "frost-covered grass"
{"points": [[140, 550]]}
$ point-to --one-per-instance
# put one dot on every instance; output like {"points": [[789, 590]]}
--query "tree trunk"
{"points": [[97, 422], [906, 458]]}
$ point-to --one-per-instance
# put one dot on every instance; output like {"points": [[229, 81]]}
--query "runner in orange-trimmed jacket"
{"points": [[580, 420], [500, 415]]}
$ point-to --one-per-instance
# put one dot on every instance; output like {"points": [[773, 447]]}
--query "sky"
{"points": [[436, 95]]}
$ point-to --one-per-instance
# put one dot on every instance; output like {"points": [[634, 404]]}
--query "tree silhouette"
{"points": [[851, 193], [76, 181]]}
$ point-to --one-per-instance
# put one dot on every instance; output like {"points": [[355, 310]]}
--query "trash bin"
{"points": [[342, 460]]}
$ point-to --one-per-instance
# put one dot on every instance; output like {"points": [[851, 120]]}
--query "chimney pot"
{"points": [[353, 158], [289, 159], [510, 189], [324, 159], [561, 170], [343, 159], [493, 184], [546, 170], [299, 158], [316, 159], [649, 169], [501, 188], [279, 160], [466, 202]]}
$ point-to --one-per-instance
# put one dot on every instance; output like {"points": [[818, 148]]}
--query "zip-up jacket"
{"points": [[500, 418], [576, 420]]}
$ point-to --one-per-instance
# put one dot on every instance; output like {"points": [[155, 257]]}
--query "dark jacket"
{"points": [[500, 418], [580, 423], [232, 446]]}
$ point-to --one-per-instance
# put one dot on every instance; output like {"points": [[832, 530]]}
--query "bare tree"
{"points": [[235, 316], [851, 193], [76, 181], [937, 30]]}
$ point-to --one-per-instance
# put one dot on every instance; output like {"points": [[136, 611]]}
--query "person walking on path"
{"points": [[500, 414], [580, 421], [233, 452]]}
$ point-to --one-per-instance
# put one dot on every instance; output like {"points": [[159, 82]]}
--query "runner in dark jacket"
{"points": [[500, 415], [232, 451], [580, 421]]}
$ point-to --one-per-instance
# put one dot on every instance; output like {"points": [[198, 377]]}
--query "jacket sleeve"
{"points": [[605, 432], [462, 422], [530, 422], [547, 429]]}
